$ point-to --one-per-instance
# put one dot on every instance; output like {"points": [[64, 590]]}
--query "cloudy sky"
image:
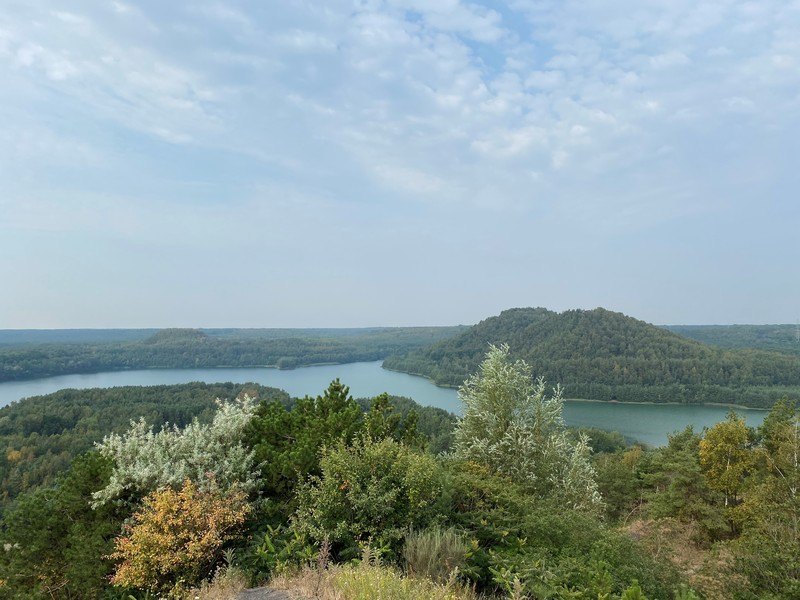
{"points": [[301, 163]]}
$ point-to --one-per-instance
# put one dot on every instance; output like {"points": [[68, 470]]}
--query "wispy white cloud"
{"points": [[619, 117]]}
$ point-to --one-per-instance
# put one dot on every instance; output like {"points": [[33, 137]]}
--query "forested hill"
{"points": [[605, 355], [23, 358]]}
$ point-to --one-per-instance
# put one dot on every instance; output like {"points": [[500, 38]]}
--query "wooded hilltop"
{"points": [[605, 355]]}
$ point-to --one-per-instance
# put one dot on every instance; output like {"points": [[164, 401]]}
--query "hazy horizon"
{"points": [[368, 326], [398, 163]]}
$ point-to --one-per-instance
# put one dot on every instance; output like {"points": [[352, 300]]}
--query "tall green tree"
{"points": [[513, 427], [678, 487], [286, 443], [382, 421], [768, 552], [726, 457], [53, 544]]}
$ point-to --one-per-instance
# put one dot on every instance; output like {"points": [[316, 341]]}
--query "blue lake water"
{"points": [[649, 423]]}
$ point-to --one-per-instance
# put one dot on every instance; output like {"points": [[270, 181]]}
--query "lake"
{"points": [[649, 423]]}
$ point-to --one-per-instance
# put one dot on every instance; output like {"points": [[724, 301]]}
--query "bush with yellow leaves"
{"points": [[174, 541]]}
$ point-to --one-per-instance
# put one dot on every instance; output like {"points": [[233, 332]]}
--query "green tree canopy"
{"points": [[514, 428]]}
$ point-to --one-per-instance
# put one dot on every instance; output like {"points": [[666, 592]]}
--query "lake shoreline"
{"points": [[643, 421], [131, 369], [720, 404], [381, 361]]}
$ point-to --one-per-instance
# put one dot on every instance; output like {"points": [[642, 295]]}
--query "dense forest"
{"points": [[331, 498], [26, 356], [605, 355], [775, 338], [42, 435]]}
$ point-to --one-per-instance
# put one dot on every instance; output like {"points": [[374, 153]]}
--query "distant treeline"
{"points": [[193, 348], [775, 338], [604, 355]]}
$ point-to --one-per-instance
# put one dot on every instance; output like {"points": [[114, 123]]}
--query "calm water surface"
{"points": [[648, 423]]}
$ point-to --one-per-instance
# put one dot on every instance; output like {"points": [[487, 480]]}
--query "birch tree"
{"points": [[725, 457]]}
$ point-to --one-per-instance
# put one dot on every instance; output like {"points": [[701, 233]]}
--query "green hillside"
{"points": [[606, 355]]}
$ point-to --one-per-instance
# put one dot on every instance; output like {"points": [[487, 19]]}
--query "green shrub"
{"points": [[286, 443], [373, 492], [550, 549], [436, 553], [634, 592]]}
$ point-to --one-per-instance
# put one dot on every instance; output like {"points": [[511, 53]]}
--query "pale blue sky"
{"points": [[403, 162]]}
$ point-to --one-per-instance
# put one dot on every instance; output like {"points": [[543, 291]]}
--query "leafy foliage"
{"points": [[369, 480], [55, 544], [512, 427], [678, 487], [768, 552], [541, 547], [205, 454], [42, 435], [371, 493], [286, 443], [619, 481], [176, 537], [725, 457]]}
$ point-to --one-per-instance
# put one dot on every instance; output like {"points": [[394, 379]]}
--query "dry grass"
{"points": [[366, 581], [673, 540], [436, 554], [227, 582]]}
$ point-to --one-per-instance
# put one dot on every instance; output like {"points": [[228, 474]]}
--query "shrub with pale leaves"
{"points": [[206, 454], [513, 427]]}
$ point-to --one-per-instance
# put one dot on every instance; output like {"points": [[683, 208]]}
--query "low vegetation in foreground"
{"points": [[328, 500]]}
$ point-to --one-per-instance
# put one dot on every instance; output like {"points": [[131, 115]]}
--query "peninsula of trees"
{"points": [[29, 355], [604, 355]]}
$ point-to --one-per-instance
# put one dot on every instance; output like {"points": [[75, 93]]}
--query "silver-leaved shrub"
{"points": [[514, 428], [209, 455]]}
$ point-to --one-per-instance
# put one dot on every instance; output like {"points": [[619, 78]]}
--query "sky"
{"points": [[408, 162]]}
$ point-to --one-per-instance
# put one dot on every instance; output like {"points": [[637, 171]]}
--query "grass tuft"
{"points": [[436, 554]]}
